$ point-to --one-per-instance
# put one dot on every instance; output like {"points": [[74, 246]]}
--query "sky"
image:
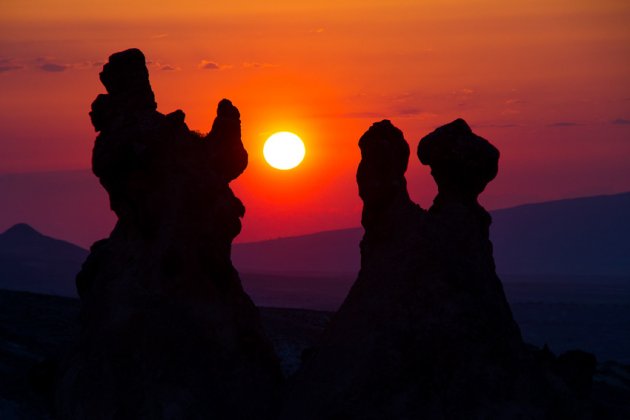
{"points": [[547, 82]]}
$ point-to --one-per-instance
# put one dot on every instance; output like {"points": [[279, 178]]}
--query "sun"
{"points": [[284, 150]]}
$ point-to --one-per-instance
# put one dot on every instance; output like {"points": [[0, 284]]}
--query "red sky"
{"points": [[546, 81]]}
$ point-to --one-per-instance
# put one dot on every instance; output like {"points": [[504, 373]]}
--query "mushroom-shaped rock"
{"points": [[462, 163], [426, 331]]}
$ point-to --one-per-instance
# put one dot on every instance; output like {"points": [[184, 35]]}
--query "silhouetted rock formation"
{"points": [[461, 162], [426, 331], [381, 176], [167, 330]]}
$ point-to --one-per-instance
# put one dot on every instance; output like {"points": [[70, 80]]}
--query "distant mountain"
{"points": [[66, 204], [554, 241], [30, 261], [334, 251], [575, 237], [578, 237]]}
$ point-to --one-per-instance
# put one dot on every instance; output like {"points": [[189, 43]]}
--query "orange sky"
{"points": [[546, 81]]}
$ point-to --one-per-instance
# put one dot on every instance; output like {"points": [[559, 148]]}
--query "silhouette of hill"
{"points": [[30, 261], [333, 251], [566, 241], [566, 312], [76, 206], [581, 236]]}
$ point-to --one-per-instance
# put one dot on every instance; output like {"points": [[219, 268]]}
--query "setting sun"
{"points": [[284, 150]]}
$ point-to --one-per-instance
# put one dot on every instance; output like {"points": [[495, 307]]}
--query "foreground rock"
{"points": [[167, 330], [40, 327], [426, 331]]}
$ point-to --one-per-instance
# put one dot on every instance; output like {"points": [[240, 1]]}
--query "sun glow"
{"points": [[284, 150]]}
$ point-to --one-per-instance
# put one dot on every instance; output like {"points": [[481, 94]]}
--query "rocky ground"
{"points": [[35, 328]]}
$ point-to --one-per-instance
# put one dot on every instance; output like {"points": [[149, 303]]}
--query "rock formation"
{"points": [[426, 331], [167, 330]]}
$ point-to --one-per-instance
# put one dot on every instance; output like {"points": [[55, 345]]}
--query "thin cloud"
{"points": [[563, 124], [464, 97], [498, 125], [47, 64], [163, 66], [351, 115], [392, 113], [8, 67], [361, 114], [7, 64], [83, 65], [620, 121], [407, 112], [52, 67], [257, 65]]}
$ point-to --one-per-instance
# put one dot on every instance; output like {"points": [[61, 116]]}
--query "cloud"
{"points": [[213, 65], [208, 65], [84, 65], [510, 112], [257, 65], [563, 124], [361, 114], [464, 97], [47, 64], [8, 67], [352, 115], [392, 113], [52, 67], [163, 66], [498, 125], [7, 64], [407, 112], [620, 121]]}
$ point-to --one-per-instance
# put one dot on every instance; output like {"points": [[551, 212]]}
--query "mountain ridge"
{"points": [[31, 261], [40, 263], [511, 232]]}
